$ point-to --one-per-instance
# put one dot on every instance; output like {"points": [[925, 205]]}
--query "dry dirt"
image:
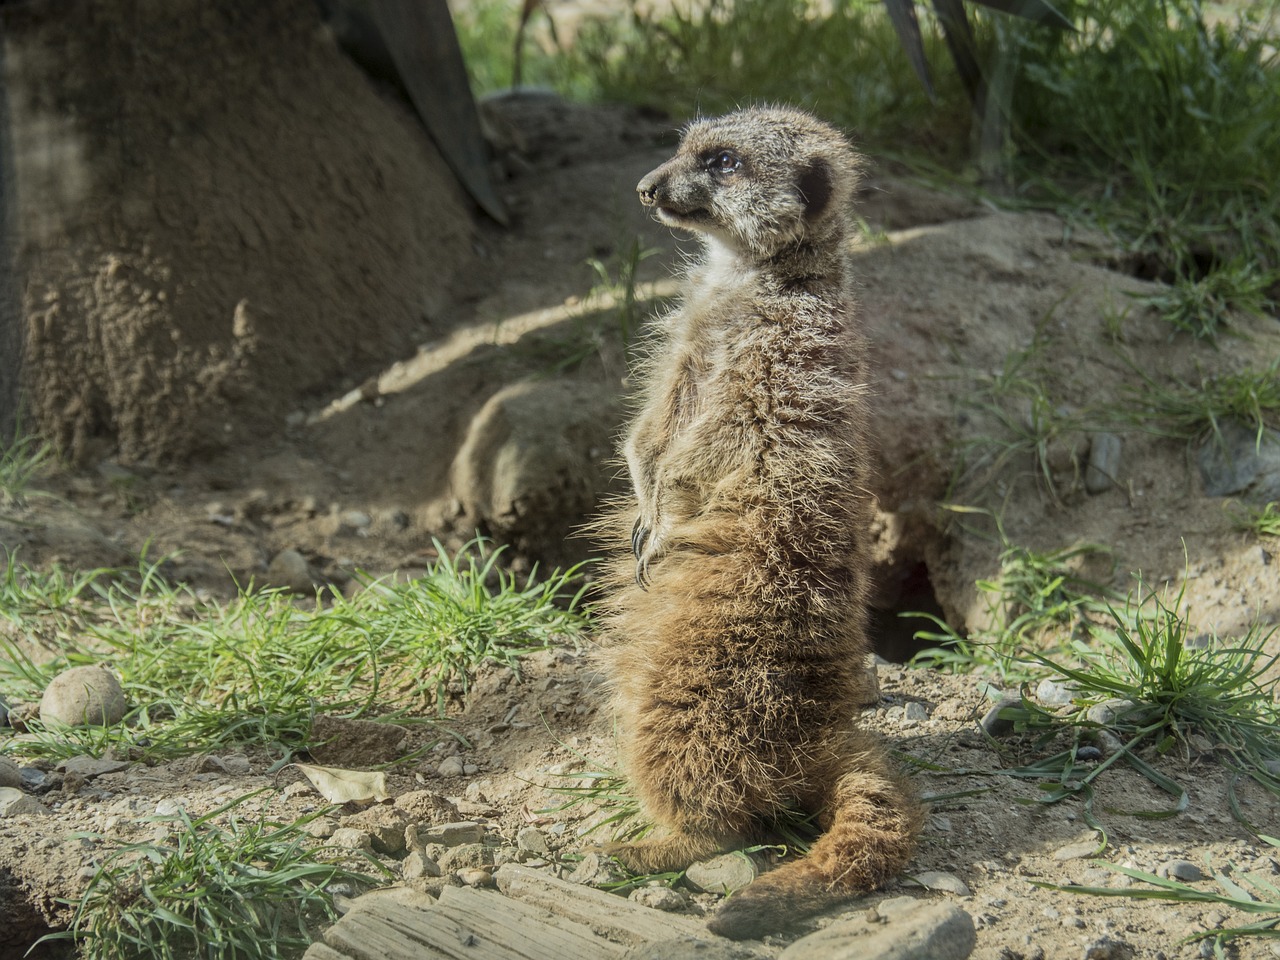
{"points": [[359, 476]]}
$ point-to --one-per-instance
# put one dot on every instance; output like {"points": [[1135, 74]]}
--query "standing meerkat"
{"points": [[737, 634]]}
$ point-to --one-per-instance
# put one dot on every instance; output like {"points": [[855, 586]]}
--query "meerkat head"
{"points": [[758, 180]]}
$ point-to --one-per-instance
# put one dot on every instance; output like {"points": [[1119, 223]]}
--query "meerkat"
{"points": [[736, 627]]}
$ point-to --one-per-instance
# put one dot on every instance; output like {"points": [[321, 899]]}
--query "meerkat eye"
{"points": [[726, 161]]}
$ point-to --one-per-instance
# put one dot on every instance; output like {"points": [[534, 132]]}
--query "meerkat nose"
{"points": [[648, 190]]}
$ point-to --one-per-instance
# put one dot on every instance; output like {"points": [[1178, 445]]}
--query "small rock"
{"points": [[322, 828], [595, 870], [289, 569], [722, 874], [1078, 850], [1088, 753], [931, 931], [349, 838], [427, 806], [946, 882], [914, 712], [1054, 694], [1107, 948], [417, 865], [475, 876], [450, 767], [1104, 463], [354, 521], [1109, 711], [1233, 461], [451, 834], [169, 807], [15, 803], [1001, 726], [659, 898], [531, 841], [385, 826], [1183, 870], [83, 695], [10, 774]]}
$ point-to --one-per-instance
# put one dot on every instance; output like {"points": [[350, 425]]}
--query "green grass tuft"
{"points": [[1261, 521], [251, 889]]}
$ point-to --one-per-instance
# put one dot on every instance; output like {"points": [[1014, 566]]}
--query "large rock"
{"points": [[535, 460], [83, 695]]}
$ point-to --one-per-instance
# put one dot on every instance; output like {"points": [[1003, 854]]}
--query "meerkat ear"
{"points": [[815, 187]]}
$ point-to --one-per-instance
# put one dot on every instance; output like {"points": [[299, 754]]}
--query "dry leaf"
{"points": [[346, 786]]}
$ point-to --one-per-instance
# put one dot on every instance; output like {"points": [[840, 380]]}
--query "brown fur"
{"points": [[738, 632]]}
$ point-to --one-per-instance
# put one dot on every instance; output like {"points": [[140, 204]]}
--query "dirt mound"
{"points": [[218, 214]]}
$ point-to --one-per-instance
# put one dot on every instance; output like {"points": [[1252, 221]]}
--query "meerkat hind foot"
{"points": [[665, 854]]}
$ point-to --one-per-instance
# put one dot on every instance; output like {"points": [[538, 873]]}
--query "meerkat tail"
{"points": [[871, 828]]}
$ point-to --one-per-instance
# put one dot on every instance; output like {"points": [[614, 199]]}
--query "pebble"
{"points": [[996, 725], [450, 767], [723, 874], [1107, 712], [90, 767], [1183, 870], [454, 859], [354, 521], [289, 569], [1078, 850], [83, 695], [169, 807], [594, 870], [15, 803], [531, 841], [417, 865], [914, 712], [475, 876], [931, 931], [1103, 469], [385, 826], [1052, 693], [659, 897], [1088, 754], [945, 882], [10, 774], [1233, 460]]}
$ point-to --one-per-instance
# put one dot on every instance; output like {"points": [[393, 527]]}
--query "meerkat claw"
{"points": [[639, 534]]}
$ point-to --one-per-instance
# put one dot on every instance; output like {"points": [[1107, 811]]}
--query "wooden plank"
{"points": [[606, 914], [464, 925]]}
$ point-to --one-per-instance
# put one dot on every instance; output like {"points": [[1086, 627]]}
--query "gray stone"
{"points": [[897, 906], [995, 724], [1183, 870], [1109, 711], [659, 897], [10, 774], [90, 767], [83, 695], [1103, 468], [451, 834], [594, 870], [1233, 462], [15, 803], [938, 880], [722, 874], [932, 931], [289, 569]]}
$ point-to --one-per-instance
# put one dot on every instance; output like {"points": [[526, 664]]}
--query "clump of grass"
{"points": [[256, 669], [1157, 123], [1246, 892], [22, 459], [251, 889], [1190, 411], [1261, 521], [1039, 600], [1203, 306]]}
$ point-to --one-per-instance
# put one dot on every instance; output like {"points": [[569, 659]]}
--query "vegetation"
{"points": [[202, 674], [245, 889], [21, 461]]}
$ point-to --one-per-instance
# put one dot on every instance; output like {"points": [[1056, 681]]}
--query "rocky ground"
{"points": [[366, 475]]}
